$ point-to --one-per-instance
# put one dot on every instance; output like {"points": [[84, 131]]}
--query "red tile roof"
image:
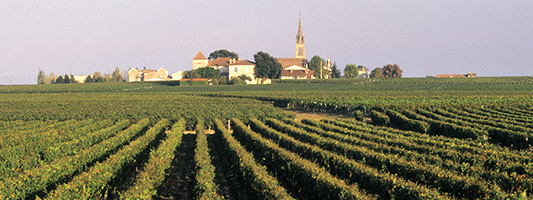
{"points": [[199, 56], [287, 62], [243, 62], [219, 62]]}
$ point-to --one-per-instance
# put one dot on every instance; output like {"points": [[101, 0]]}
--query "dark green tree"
{"points": [[222, 53], [60, 79], [66, 79], [351, 71], [392, 71], [266, 66], [191, 74], [116, 76], [208, 72], [335, 72], [41, 77], [376, 73], [239, 80], [100, 79], [317, 65], [89, 79]]}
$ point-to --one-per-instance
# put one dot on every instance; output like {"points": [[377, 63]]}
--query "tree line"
{"points": [[387, 71], [317, 64], [116, 76]]}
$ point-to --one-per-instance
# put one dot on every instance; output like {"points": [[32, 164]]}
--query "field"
{"points": [[408, 138]]}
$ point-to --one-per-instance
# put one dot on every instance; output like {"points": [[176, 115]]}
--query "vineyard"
{"points": [[409, 138]]}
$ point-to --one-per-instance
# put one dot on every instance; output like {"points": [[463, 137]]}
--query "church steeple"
{"points": [[300, 34], [300, 41]]}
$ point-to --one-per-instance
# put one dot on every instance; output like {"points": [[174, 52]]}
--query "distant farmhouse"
{"points": [[80, 79], [228, 67], [456, 75], [295, 68], [363, 72], [135, 74]]}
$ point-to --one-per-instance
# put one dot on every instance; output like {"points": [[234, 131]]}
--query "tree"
{"points": [[116, 76], [335, 72], [376, 73], [222, 53], [41, 77], [351, 71], [100, 79], [190, 74], [60, 79], [239, 80], [208, 72], [66, 79], [52, 78], [266, 66], [317, 65], [72, 79], [89, 79], [96, 75], [392, 71]]}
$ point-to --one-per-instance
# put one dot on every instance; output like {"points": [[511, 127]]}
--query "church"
{"points": [[293, 68], [296, 68]]}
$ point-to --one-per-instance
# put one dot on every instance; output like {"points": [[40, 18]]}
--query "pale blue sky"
{"points": [[490, 37]]}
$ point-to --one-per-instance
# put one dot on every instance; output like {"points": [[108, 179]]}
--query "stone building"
{"points": [[199, 61], [135, 75], [295, 68]]}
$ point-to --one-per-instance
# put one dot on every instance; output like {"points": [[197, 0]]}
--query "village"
{"points": [[225, 67], [296, 67]]}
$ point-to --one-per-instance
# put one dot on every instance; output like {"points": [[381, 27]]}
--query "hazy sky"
{"points": [[490, 37]]}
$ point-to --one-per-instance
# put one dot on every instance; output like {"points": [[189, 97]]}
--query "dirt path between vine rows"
{"points": [[225, 178], [179, 183]]}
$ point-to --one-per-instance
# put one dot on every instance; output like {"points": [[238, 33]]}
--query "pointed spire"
{"points": [[300, 41], [300, 33]]}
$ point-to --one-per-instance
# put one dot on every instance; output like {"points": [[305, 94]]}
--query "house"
{"points": [[199, 61], [80, 79], [328, 68], [295, 68], [363, 72], [135, 75], [228, 67], [177, 75], [239, 68], [457, 75]]}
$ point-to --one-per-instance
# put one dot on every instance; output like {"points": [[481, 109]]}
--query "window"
{"points": [[236, 69]]}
